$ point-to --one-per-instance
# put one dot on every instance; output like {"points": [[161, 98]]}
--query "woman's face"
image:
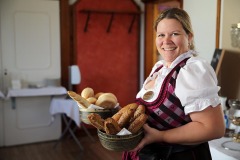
{"points": [[171, 40]]}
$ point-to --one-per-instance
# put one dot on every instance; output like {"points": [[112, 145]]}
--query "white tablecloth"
{"points": [[28, 92], [67, 106], [217, 144]]}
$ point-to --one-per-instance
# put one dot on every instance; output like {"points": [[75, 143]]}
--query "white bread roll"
{"points": [[107, 101], [92, 100], [87, 92], [98, 94]]}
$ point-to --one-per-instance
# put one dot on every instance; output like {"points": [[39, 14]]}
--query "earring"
{"points": [[189, 44]]}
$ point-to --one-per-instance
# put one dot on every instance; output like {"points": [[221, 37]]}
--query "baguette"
{"points": [[80, 100]]}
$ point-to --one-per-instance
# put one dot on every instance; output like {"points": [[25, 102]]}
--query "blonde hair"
{"points": [[181, 16]]}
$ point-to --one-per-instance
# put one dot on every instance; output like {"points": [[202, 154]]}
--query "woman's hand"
{"points": [[150, 135]]}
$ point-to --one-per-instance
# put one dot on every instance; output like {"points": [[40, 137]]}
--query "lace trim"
{"points": [[201, 104]]}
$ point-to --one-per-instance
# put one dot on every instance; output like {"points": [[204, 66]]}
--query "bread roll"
{"points": [[106, 101], [92, 100], [111, 126], [125, 117], [112, 95], [96, 120], [140, 109], [137, 124], [98, 94], [117, 116], [131, 106], [87, 92]]}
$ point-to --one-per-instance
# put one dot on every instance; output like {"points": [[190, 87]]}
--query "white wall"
{"points": [[30, 42], [203, 15]]}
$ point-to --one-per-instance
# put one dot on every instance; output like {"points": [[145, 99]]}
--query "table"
{"points": [[68, 108], [223, 154], [29, 92], [27, 118]]}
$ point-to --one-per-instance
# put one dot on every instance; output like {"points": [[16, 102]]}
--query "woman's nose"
{"points": [[167, 39]]}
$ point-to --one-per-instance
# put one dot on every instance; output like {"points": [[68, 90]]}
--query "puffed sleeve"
{"points": [[196, 86]]}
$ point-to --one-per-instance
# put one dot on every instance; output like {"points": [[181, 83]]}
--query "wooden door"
{"points": [[152, 9], [30, 41]]}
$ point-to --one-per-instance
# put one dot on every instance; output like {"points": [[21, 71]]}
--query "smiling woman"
{"points": [[185, 107]]}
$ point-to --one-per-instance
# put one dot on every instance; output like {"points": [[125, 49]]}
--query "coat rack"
{"points": [[112, 13]]}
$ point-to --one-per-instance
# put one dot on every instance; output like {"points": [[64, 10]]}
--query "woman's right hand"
{"points": [[151, 135]]}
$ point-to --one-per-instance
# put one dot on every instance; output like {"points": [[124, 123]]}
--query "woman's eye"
{"points": [[160, 35], [175, 34]]}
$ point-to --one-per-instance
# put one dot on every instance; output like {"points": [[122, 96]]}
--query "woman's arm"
{"points": [[206, 125]]}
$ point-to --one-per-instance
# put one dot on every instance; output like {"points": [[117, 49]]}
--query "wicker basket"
{"points": [[104, 113], [120, 143]]}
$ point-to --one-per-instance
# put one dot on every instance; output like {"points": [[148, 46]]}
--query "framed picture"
{"points": [[217, 59]]}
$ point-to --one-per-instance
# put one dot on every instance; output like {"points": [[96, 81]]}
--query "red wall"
{"points": [[108, 61]]}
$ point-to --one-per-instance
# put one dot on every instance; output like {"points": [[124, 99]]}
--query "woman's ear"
{"points": [[190, 38]]}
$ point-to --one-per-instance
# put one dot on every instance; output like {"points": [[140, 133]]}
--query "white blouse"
{"points": [[196, 84]]}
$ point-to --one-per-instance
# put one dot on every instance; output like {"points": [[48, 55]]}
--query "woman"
{"points": [[180, 95]]}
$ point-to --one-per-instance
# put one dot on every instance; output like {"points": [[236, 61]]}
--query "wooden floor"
{"points": [[67, 149]]}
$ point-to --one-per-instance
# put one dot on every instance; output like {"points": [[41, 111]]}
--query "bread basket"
{"points": [[120, 143], [104, 113]]}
